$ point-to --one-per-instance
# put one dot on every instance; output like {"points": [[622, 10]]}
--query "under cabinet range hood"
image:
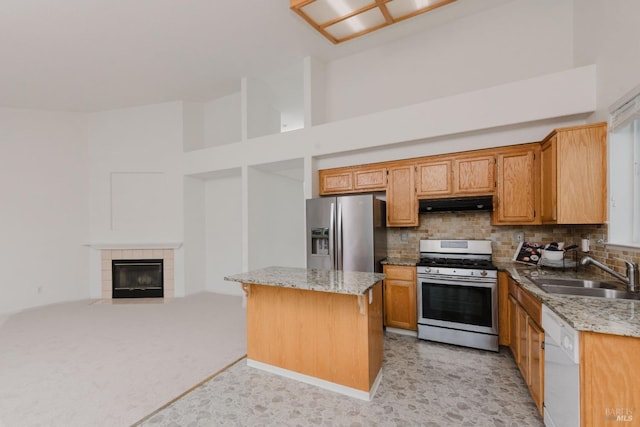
{"points": [[458, 204]]}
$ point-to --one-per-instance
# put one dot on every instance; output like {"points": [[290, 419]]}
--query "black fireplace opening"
{"points": [[137, 278]]}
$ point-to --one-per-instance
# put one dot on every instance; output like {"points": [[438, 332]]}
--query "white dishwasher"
{"points": [[561, 372]]}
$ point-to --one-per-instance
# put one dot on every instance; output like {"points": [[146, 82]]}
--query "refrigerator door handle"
{"points": [[339, 265], [332, 223]]}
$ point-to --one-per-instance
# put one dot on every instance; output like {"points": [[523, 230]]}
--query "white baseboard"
{"points": [[327, 385], [402, 332]]}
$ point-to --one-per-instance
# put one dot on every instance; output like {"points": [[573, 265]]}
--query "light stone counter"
{"points": [[401, 261], [617, 317], [337, 282]]}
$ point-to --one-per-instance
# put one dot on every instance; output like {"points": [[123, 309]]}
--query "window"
{"points": [[624, 172]]}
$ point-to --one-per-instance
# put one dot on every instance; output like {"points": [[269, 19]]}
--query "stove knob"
{"points": [[427, 270], [483, 273]]}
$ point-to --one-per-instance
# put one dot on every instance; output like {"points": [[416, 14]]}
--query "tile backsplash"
{"points": [[404, 242]]}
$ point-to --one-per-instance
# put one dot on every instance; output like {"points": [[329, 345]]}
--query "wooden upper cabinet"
{"points": [[370, 179], [473, 174], [335, 181], [458, 175], [434, 178], [517, 196], [548, 180], [352, 180], [402, 203], [574, 175]]}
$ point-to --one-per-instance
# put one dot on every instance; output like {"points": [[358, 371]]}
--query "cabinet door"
{"points": [[402, 203], [548, 181], [536, 363], [370, 179], [434, 178], [335, 181], [474, 175], [400, 309], [523, 342], [513, 329], [609, 372], [517, 187], [582, 175], [504, 329]]}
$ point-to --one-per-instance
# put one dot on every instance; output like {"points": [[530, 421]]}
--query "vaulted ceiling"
{"points": [[93, 55]]}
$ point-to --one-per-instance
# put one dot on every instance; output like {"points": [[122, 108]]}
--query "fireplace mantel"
{"points": [[148, 245]]}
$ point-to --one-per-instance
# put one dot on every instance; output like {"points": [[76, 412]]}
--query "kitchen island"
{"points": [[320, 327]]}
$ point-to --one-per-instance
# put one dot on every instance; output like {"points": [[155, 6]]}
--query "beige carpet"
{"points": [[81, 363]]}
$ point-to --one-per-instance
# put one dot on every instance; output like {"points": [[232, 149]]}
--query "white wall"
{"points": [[136, 174], [44, 220], [192, 126], [558, 95], [262, 116], [276, 220], [606, 34], [224, 235], [195, 235], [222, 124], [518, 40]]}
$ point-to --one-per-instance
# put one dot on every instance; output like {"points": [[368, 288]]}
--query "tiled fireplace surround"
{"points": [[167, 255]]}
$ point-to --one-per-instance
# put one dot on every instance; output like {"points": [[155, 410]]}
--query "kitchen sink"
{"points": [[587, 288]]}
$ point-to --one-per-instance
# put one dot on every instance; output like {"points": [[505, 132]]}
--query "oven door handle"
{"points": [[458, 282]]}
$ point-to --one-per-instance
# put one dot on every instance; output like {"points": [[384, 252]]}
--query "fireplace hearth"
{"points": [[137, 278]]}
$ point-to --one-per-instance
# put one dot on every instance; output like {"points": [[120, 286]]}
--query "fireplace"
{"points": [[137, 278]]}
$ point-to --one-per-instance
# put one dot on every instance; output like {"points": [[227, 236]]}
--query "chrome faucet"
{"points": [[631, 278]]}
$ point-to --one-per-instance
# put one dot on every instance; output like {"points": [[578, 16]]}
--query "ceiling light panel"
{"points": [[324, 11], [365, 21], [341, 20], [402, 9]]}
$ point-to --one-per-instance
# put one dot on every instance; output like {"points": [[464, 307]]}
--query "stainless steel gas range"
{"points": [[458, 293]]}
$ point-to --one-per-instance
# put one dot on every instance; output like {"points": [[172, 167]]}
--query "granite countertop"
{"points": [[336, 281], [609, 316], [400, 261]]}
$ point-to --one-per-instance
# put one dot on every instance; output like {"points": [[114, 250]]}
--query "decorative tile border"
{"points": [[167, 255]]}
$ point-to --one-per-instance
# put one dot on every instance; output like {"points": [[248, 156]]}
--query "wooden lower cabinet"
{"points": [[535, 347], [526, 339], [504, 332], [400, 309], [609, 380], [513, 328]]}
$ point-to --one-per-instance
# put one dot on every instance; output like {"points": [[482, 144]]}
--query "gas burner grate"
{"points": [[457, 263]]}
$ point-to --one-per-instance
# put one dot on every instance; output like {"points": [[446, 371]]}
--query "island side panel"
{"points": [[319, 334], [376, 333], [610, 380]]}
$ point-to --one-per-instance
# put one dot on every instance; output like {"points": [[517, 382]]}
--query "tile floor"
{"points": [[423, 384]]}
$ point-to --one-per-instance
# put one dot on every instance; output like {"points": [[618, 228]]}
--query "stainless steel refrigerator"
{"points": [[346, 233]]}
